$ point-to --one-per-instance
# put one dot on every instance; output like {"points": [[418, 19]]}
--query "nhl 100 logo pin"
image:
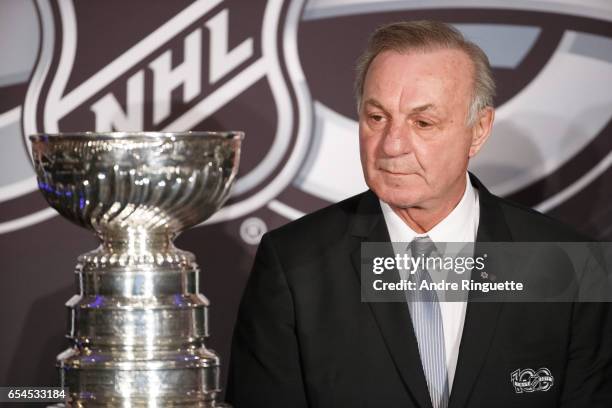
{"points": [[528, 380]]}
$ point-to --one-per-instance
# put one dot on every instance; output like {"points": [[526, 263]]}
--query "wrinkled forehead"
{"points": [[442, 72]]}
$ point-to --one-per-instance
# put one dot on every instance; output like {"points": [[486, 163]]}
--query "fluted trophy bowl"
{"points": [[108, 182], [137, 326]]}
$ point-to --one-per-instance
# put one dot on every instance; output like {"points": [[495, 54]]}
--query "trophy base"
{"points": [[164, 378], [143, 404], [206, 405]]}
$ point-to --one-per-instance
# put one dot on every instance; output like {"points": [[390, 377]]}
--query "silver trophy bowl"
{"points": [[138, 325]]}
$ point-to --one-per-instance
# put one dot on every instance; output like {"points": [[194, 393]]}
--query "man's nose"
{"points": [[397, 139]]}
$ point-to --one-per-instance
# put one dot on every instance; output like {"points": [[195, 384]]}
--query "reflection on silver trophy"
{"points": [[138, 325]]}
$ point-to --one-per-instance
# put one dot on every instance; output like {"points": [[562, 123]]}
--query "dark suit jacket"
{"points": [[303, 337]]}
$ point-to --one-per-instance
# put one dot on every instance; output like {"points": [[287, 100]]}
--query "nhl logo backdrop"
{"points": [[281, 71]]}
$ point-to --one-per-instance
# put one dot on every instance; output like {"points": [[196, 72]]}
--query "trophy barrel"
{"points": [[137, 326]]}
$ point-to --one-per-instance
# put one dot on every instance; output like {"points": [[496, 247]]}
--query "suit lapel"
{"points": [[481, 318], [392, 318]]}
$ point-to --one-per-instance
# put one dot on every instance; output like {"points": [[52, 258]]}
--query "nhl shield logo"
{"points": [[282, 71], [202, 66]]}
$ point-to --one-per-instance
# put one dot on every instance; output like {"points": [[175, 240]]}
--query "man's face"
{"points": [[414, 139]]}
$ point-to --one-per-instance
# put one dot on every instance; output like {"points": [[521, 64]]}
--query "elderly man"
{"points": [[304, 338]]}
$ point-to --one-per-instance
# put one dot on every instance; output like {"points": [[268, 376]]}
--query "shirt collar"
{"points": [[460, 225]]}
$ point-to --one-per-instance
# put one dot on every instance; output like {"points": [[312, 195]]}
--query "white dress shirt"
{"points": [[460, 225]]}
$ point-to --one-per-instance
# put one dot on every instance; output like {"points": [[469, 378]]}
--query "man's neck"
{"points": [[422, 219]]}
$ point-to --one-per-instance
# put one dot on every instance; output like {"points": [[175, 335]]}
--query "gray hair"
{"points": [[429, 36]]}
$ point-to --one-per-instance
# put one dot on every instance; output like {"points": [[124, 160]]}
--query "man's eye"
{"points": [[421, 124], [377, 118]]}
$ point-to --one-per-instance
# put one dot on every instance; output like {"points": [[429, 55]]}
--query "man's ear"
{"points": [[481, 129]]}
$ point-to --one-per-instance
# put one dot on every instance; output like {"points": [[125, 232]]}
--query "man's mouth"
{"points": [[395, 172]]}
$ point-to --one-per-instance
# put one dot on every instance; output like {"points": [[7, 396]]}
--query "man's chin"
{"points": [[399, 198]]}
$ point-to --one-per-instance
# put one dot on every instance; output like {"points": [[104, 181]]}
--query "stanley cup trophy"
{"points": [[138, 325]]}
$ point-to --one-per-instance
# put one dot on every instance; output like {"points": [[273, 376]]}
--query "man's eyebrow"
{"points": [[374, 102], [422, 108]]}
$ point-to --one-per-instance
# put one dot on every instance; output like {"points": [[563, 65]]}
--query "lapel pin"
{"points": [[528, 380]]}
